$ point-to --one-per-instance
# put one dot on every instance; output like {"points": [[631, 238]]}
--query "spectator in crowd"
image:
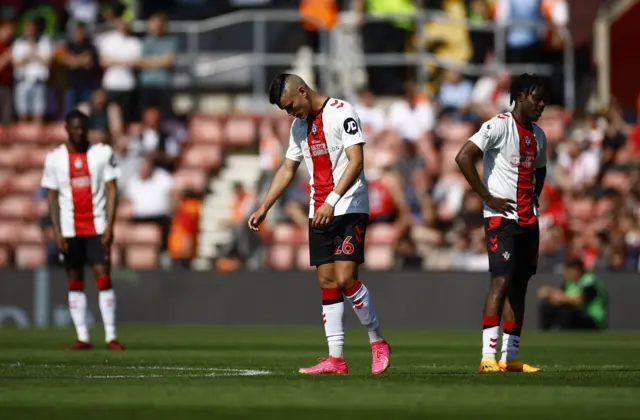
{"points": [[524, 43], [80, 58], [7, 30], [31, 59], [455, 94], [154, 140], [580, 303], [371, 116], [271, 153], [491, 95], [119, 55], [156, 65], [99, 117], [83, 11], [183, 232], [411, 117], [578, 167], [150, 194]]}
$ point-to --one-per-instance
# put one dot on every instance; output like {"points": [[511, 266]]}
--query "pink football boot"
{"points": [[332, 366], [380, 357]]}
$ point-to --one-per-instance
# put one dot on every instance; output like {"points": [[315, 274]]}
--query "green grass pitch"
{"points": [[232, 373]]}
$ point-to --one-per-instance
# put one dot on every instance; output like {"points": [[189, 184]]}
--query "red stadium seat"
{"points": [[379, 257], [16, 207], [27, 183], [287, 234], [12, 157], [281, 257], [142, 257], [202, 157], [125, 210], [381, 234], [4, 257], [55, 134], [36, 157], [190, 179], [8, 233], [30, 256], [303, 259], [205, 130], [28, 133], [145, 234], [240, 132], [31, 234]]}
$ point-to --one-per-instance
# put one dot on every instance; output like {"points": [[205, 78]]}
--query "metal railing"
{"points": [[259, 58]]}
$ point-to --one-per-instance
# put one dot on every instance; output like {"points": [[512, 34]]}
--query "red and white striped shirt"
{"points": [[322, 140], [512, 152], [80, 180]]}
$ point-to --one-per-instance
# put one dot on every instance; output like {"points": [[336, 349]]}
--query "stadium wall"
{"points": [[403, 299]]}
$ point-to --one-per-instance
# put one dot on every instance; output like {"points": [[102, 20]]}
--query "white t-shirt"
{"points": [[322, 142], [117, 46], [411, 123], [581, 169], [512, 153], [150, 197], [80, 180], [34, 70], [372, 119]]}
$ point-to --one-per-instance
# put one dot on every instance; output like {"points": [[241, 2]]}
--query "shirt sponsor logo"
{"points": [[80, 182]]}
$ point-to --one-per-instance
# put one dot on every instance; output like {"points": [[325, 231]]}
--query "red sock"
{"points": [[103, 283], [75, 285]]}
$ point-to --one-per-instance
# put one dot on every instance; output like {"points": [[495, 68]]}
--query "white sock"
{"points": [[78, 309], [510, 347], [362, 305], [108, 312], [333, 318], [490, 342]]}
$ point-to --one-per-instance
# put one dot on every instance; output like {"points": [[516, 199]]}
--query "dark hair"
{"points": [[77, 114], [575, 263], [525, 83], [277, 88]]}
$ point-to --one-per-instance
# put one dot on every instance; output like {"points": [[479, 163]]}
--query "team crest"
{"points": [[314, 129], [527, 141], [78, 163]]}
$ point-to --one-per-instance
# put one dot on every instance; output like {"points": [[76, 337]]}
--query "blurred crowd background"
{"points": [[198, 156]]}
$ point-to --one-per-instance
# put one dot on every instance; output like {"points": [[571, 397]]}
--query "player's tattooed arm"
{"points": [[281, 181], [54, 209], [111, 189]]}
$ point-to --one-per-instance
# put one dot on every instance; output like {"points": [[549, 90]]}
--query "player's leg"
{"points": [[526, 257], [98, 257], [350, 244], [74, 264], [322, 250], [500, 247]]}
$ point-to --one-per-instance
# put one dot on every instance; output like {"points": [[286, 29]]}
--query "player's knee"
{"points": [[500, 284], [346, 278], [327, 282]]}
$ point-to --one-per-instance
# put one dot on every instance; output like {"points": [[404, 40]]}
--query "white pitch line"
{"points": [[210, 372]]}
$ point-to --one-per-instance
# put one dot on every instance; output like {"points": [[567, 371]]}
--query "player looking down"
{"points": [[513, 150], [82, 193], [326, 133]]}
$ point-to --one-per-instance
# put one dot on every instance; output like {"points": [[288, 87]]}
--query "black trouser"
{"points": [[163, 221], [565, 317]]}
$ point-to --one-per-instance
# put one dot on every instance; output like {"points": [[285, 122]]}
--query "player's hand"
{"points": [[256, 219], [501, 205], [107, 237], [323, 216], [61, 242]]}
